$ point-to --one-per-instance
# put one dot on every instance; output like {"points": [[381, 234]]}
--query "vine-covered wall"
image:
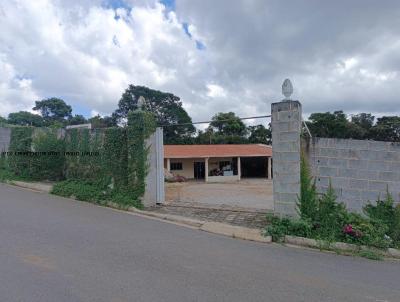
{"points": [[113, 159]]}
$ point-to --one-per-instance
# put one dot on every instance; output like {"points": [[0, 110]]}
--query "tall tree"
{"points": [[77, 120], [103, 122], [259, 134], [329, 124], [25, 118], [3, 121], [228, 124], [166, 107], [387, 128], [53, 109]]}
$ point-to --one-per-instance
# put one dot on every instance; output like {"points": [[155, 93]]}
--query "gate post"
{"points": [[286, 128]]}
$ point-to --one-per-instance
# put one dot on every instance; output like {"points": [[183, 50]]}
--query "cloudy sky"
{"points": [[217, 55]]}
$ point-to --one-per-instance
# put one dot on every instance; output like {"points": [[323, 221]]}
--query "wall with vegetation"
{"points": [[360, 170], [97, 164]]}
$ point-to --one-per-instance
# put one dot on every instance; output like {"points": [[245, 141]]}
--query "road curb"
{"points": [[341, 246]]}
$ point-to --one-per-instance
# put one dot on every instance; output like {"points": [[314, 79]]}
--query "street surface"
{"points": [[55, 249]]}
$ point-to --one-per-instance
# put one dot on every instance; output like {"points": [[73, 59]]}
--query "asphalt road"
{"points": [[54, 249]]}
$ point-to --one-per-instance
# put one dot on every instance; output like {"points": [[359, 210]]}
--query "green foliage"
{"points": [[259, 134], [370, 255], [385, 214], [279, 227], [330, 217], [53, 109], [141, 125], [20, 144], [77, 120], [24, 118], [228, 124], [322, 218], [307, 201], [166, 107], [50, 165], [96, 192], [103, 122], [3, 121]]}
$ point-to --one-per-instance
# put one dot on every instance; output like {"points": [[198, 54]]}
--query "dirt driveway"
{"points": [[247, 193]]}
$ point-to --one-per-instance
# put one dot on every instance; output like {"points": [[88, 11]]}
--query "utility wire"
{"points": [[226, 120]]}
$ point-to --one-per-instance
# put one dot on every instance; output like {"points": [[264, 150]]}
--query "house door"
{"points": [[199, 170]]}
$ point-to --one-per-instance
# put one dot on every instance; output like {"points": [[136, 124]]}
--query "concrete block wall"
{"points": [[359, 170], [5, 134], [286, 128]]}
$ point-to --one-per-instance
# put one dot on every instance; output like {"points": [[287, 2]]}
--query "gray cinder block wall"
{"points": [[359, 170], [286, 128]]}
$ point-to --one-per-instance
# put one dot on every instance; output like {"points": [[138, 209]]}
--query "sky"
{"points": [[216, 55]]}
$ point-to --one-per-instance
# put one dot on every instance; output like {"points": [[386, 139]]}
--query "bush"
{"points": [[51, 165], [386, 215], [323, 218], [307, 201], [279, 227], [96, 192], [330, 217]]}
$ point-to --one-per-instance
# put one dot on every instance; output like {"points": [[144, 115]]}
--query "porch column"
{"points": [[269, 167], [239, 168], [206, 169], [168, 165]]}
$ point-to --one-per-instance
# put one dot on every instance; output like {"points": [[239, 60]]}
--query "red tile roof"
{"points": [[196, 151]]}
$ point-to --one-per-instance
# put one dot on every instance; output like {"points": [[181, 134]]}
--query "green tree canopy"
{"points": [[3, 121], [329, 124], [259, 134], [166, 107], [25, 118], [77, 120], [103, 122], [228, 124], [387, 128], [53, 109]]}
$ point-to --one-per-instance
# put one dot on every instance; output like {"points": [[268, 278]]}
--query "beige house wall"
{"points": [[187, 166]]}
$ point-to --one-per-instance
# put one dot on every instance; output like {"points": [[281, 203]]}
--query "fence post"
{"points": [[286, 130]]}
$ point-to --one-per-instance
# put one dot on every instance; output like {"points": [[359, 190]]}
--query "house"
{"points": [[219, 163]]}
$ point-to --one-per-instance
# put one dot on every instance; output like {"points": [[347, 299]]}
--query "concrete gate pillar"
{"points": [[286, 128]]}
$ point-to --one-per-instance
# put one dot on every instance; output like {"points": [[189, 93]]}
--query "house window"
{"points": [[176, 166]]}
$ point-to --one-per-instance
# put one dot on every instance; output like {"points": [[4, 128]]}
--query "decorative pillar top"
{"points": [[287, 89]]}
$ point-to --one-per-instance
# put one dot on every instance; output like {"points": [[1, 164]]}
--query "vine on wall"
{"points": [[106, 164]]}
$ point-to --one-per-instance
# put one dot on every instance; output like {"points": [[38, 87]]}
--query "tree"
{"points": [[24, 118], [329, 124], [103, 122], [227, 128], [166, 107], [3, 121], [259, 135], [387, 128], [228, 124], [77, 120], [53, 109]]}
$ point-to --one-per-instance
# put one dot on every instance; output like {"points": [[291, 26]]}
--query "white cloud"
{"points": [[215, 91], [87, 53]]}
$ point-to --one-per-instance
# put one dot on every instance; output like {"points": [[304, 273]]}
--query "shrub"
{"points": [[307, 201], [385, 215], [51, 165], [330, 216], [279, 227], [96, 192]]}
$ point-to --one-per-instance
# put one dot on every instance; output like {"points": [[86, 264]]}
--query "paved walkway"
{"points": [[231, 215], [247, 193]]}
